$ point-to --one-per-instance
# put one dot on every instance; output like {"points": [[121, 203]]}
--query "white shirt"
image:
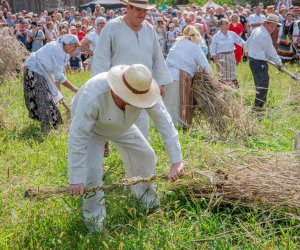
{"points": [[96, 112], [120, 45], [93, 38], [256, 19], [224, 43], [260, 46], [52, 57], [187, 56]]}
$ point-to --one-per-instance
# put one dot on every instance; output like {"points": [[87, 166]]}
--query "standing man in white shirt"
{"points": [[106, 108], [129, 40], [261, 50], [256, 19]]}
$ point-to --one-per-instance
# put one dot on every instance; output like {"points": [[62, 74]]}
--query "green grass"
{"points": [[30, 158]]}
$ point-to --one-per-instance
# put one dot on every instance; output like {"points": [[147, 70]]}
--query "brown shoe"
{"points": [[106, 150]]}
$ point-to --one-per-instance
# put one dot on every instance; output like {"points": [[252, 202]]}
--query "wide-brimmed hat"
{"points": [[272, 18], [143, 4], [134, 84]]}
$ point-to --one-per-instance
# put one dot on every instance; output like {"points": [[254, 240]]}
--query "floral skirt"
{"points": [[39, 101]]}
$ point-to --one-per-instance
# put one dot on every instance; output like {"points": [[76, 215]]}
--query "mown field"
{"points": [[29, 158]]}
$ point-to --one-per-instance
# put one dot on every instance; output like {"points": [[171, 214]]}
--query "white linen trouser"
{"points": [[142, 123], [172, 102], [139, 160]]}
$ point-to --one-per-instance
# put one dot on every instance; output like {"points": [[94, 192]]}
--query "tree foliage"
{"points": [[221, 2]]}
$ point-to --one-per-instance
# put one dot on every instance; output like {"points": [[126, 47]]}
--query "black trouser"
{"points": [[260, 74]]}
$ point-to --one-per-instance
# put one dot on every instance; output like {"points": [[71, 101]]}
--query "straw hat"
{"points": [[142, 4], [272, 18], [134, 84]]}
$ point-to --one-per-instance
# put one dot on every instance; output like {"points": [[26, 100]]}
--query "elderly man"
{"points": [[260, 50], [106, 108], [128, 40]]}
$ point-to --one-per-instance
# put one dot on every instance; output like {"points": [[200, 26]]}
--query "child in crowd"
{"points": [[171, 36], [75, 63]]}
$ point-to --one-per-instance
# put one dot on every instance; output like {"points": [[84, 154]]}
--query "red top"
{"points": [[79, 34], [238, 29]]}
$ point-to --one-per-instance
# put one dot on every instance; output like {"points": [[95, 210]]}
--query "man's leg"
{"points": [[261, 79], [143, 124], [94, 211], [172, 101], [139, 160]]}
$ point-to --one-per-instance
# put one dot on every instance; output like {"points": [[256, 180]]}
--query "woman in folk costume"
{"points": [[287, 38], [43, 72], [222, 51], [183, 60]]}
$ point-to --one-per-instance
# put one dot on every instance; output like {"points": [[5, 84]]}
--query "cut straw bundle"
{"points": [[12, 56], [268, 183], [220, 105], [263, 183]]}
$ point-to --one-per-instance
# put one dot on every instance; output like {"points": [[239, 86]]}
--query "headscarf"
{"points": [[68, 39]]}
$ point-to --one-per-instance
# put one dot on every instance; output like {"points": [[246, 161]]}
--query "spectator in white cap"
{"points": [[98, 113], [89, 42], [44, 72], [129, 40]]}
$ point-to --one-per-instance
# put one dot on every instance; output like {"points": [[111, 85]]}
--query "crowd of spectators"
{"points": [[34, 30]]}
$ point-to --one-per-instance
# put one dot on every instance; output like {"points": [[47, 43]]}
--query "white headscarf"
{"points": [[68, 39]]}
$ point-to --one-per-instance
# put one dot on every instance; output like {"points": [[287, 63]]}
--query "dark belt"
{"points": [[226, 52], [256, 60]]}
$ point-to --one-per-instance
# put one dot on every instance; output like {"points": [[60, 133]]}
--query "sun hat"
{"points": [[142, 4], [134, 84], [100, 20], [272, 18]]}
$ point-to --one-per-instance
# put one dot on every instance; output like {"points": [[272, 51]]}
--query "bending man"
{"points": [[104, 109]]}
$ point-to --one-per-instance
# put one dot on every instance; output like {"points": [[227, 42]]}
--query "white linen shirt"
{"points": [[224, 43], [187, 56], [96, 112], [52, 57], [255, 19], [260, 46], [118, 44]]}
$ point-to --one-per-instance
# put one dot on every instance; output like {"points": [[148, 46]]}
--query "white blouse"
{"points": [[187, 56], [50, 62], [224, 43]]}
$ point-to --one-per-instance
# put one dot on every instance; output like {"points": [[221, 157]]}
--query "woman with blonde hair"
{"points": [[238, 29], [184, 58], [203, 45]]}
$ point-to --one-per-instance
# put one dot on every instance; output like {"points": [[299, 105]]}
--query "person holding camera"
{"points": [[36, 37]]}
